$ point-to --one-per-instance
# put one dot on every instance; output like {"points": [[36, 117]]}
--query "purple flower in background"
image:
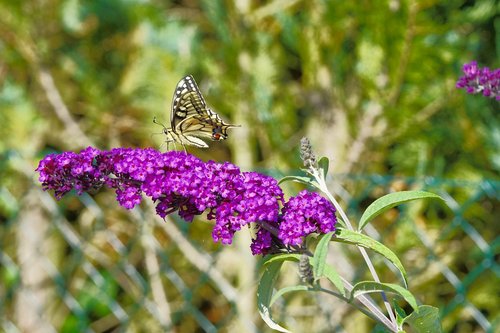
{"points": [[477, 80], [177, 181]]}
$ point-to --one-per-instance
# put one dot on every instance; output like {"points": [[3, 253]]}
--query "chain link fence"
{"points": [[85, 265]]}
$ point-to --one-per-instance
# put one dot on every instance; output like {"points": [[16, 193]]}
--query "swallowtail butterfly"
{"points": [[191, 118]]}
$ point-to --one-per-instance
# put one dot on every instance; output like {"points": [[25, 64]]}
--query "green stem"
{"points": [[322, 187]]}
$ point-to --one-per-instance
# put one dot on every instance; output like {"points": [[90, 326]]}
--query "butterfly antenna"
{"points": [[155, 121]]}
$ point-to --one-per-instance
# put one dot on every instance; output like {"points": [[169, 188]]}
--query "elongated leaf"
{"points": [[352, 237], [425, 320], [285, 290], [365, 287], [300, 179], [331, 274], [388, 201], [324, 164], [282, 258], [319, 258], [321, 268], [400, 314], [265, 292]]}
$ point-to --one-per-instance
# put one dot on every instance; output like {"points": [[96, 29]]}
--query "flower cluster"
{"points": [[68, 171], [177, 181], [305, 214], [477, 80]]}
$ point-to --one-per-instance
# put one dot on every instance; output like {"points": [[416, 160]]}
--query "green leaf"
{"points": [[424, 320], [321, 268], [300, 179], [365, 287], [400, 314], [331, 274], [285, 290], [324, 164], [319, 259], [388, 201], [356, 238], [380, 328], [264, 294], [281, 258]]}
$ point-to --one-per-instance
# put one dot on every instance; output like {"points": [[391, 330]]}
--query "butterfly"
{"points": [[191, 118]]}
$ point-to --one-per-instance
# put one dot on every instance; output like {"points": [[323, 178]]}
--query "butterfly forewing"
{"points": [[187, 101]]}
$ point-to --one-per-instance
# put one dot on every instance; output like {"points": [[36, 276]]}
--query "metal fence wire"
{"points": [[85, 265]]}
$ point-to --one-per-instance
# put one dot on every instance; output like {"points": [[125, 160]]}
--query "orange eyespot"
{"points": [[216, 136]]}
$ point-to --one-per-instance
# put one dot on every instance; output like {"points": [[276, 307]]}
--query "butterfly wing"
{"points": [[187, 102], [209, 126]]}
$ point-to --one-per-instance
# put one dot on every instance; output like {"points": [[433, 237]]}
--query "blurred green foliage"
{"points": [[370, 83]]}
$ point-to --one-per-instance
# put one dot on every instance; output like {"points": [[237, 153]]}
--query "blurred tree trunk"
{"points": [[33, 248]]}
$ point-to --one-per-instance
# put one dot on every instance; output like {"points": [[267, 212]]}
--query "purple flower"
{"points": [[478, 80], [253, 197], [262, 243], [177, 181], [68, 171], [305, 214]]}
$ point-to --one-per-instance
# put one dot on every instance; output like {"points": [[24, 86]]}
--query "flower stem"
{"points": [[322, 186]]}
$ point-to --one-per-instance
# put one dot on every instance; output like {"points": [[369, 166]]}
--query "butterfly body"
{"points": [[191, 119]]}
